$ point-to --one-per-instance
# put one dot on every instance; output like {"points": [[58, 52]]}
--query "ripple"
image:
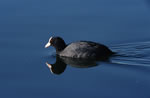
{"points": [[137, 53]]}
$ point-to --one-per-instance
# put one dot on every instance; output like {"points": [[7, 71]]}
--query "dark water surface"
{"points": [[123, 25]]}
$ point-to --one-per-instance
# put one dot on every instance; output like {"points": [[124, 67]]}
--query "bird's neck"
{"points": [[60, 47]]}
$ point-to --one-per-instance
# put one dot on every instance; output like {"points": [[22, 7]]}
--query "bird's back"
{"points": [[85, 49]]}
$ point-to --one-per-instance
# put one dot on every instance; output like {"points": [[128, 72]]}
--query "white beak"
{"points": [[49, 65], [47, 45]]}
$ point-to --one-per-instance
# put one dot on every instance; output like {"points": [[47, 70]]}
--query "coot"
{"points": [[79, 49]]}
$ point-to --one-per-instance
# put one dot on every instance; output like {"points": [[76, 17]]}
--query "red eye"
{"points": [[50, 40]]}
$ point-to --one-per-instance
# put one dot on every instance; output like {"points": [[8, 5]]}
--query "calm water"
{"points": [[122, 25]]}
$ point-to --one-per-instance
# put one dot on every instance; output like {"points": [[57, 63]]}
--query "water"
{"points": [[121, 25]]}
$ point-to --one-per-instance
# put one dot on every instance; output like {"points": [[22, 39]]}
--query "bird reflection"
{"points": [[61, 63], [58, 67]]}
